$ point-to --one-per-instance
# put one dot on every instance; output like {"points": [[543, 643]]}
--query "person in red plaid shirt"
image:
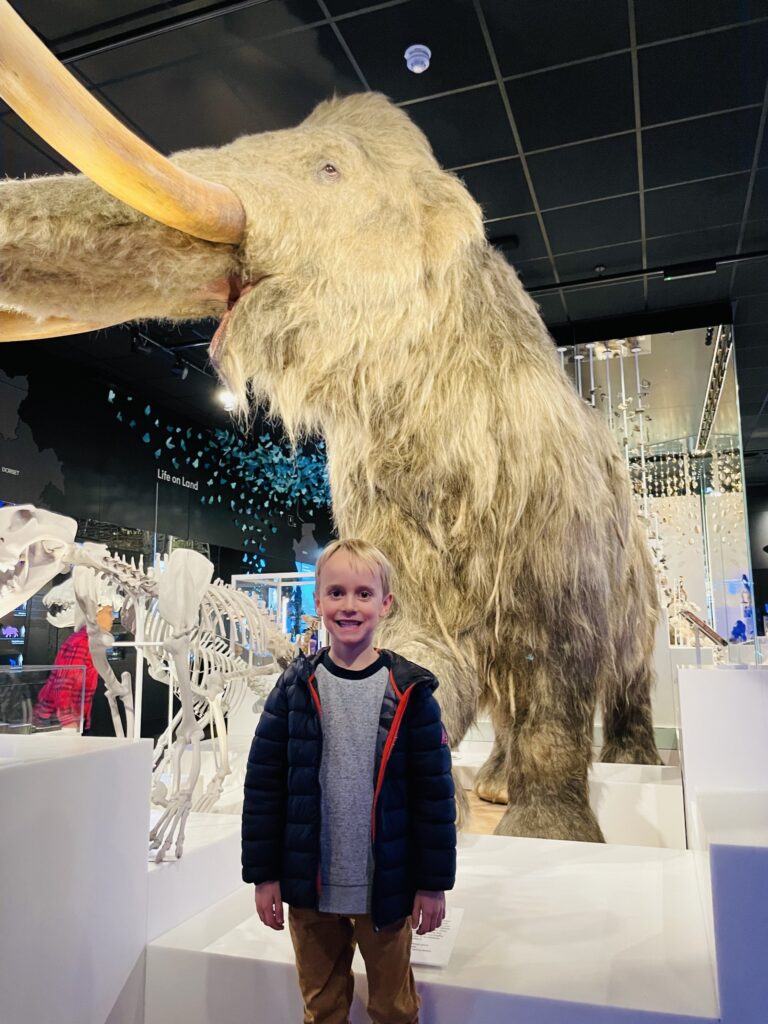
{"points": [[60, 696]]}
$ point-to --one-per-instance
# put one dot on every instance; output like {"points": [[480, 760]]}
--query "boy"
{"points": [[349, 803]]}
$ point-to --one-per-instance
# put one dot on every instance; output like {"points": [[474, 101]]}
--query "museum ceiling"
{"points": [[607, 141]]}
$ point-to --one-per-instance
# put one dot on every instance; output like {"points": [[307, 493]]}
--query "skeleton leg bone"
{"points": [[180, 593]]}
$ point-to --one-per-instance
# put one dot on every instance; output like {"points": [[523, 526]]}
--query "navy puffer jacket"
{"points": [[413, 830]]}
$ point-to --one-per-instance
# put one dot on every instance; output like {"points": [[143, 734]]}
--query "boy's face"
{"points": [[351, 601]]}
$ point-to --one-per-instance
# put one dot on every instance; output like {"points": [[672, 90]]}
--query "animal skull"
{"points": [[35, 546]]}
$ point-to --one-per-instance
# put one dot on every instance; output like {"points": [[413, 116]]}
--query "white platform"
{"points": [[603, 929], [636, 805], [75, 814]]}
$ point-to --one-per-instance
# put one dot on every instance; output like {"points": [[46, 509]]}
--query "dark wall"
{"points": [[84, 449], [757, 513]]}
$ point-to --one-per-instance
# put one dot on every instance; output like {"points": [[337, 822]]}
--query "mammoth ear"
{"points": [[452, 220]]}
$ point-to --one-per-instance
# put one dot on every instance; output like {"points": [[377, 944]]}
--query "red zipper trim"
{"points": [[316, 699], [315, 696], [391, 738]]}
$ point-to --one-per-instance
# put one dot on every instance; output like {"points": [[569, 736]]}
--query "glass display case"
{"points": [[671, 401], [46, 698], [289, 598]]}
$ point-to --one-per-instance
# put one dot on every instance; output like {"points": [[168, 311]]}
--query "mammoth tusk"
{"points": [[19, 327], [55, 105]]}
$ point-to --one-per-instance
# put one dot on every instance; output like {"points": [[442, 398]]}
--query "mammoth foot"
{"points": [[491, 786], [551, 820], [630, 753], [491, 780]]}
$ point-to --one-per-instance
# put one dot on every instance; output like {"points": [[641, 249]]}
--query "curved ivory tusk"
{"points": [[53, 103], [19, 327]]}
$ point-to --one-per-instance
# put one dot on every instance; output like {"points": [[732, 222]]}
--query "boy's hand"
{"points": [[269, 905], [429, 907]]}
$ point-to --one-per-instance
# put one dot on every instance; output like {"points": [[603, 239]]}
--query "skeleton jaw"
{"points": [[35, 546]]}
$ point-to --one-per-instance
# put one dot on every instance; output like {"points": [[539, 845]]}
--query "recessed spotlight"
{"points": [[417, 58], [226, 398]]}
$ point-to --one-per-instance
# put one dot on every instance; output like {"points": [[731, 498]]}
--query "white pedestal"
{"points": [[552, 932], [73, 878]]}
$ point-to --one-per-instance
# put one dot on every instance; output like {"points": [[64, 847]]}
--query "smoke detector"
{"points": [[417, 58]]}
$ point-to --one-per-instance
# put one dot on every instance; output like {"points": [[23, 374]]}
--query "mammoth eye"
{"points": [[329, 172]]}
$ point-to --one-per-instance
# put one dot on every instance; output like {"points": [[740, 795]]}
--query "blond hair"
{"points": [[362, 552]]}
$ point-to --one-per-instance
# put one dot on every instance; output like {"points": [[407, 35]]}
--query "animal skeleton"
{"points": [[199, 637]]}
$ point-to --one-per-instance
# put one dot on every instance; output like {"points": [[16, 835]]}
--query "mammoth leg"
{"points": [[549, 757], [627, 722], [491, 780]]}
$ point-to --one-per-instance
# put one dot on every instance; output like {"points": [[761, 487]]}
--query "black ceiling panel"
{"points": [[523, 37], [342, 7], [606, 300], [534, 273], [755, 236], [753, 309], [702, 148], [758, 207], [500, 188], [528, 242], [591, 99], [693, 245], [24, 153], [218, 91], [589, 170], [751, 278], [68, 17], [451, 30], [551, 309], [466, 127], [703, 74], [616, 259], [699, 204], [593, 224], [665, 19]]}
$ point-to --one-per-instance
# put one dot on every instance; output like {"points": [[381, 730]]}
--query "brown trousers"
{"points": [[325, 945]]}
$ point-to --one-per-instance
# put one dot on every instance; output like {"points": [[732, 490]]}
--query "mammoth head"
{"points": [[35, 546], [314, 245]]}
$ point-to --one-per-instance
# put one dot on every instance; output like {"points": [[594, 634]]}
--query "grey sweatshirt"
{"points": [[351, 703]]}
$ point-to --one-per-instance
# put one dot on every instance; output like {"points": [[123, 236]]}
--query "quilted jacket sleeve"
{"points": [[266, 793], [433, 807]]}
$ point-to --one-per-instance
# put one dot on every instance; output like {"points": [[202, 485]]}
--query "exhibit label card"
{"points": [[434, 950]]}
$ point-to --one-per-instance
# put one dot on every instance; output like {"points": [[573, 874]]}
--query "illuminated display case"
{"points": [[289, 598]]}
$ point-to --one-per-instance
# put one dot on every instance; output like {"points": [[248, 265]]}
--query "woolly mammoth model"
{"points": [[359, 298]]}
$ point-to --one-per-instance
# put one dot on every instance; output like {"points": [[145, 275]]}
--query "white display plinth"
{"points": [[73, 889], [636, 805], [208, 870], [551, 932], [724, 751]]}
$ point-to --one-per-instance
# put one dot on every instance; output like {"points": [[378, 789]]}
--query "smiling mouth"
{"points": [[348, 623], [238, 289]]}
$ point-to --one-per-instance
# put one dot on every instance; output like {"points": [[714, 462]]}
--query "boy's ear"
{"points": [[386, 604]]}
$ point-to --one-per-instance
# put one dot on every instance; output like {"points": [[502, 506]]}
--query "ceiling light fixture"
{"points": [[684, 270], [226, 398]]}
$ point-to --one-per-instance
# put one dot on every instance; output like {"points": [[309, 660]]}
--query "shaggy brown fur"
{"points": [[383, 319]]}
